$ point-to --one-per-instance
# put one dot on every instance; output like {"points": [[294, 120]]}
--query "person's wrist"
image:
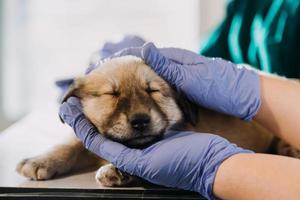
{"points": [[219, 151], [233, 89], [250, 94]]}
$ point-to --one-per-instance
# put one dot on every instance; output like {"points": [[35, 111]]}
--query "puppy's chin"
{"points": [[138, 142], [142, 142]]}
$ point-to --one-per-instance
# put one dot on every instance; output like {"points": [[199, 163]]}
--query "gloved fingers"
{"points": [[126, 42], [133, 41], [178, 55], [124, 158], [84, 129], [110, 48], [69, 110], [182, 56], [91, 67], [133, 51], [63, 109], [75, 101], [64, 82], [163, 66]]}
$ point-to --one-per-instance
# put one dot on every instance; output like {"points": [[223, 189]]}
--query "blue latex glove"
{"points": [[109, 48], [182, 160], [211, 82]]}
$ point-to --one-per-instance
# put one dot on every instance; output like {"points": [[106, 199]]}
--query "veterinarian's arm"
{"points": [[280, 108], [258, 176]]}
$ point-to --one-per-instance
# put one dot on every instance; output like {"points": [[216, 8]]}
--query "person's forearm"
{"points": [[258, 176], [280, 108]]}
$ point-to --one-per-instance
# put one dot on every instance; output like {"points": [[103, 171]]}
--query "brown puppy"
{"points": [[129, 103]]}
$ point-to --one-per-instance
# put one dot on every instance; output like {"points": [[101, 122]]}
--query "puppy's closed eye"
{"points": [[152, 87], [152, 90], [112, 93], [108, 93]]}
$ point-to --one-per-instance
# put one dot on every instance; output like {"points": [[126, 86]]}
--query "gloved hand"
{"points": [[109, 48], [184, 160], [211, 82]]}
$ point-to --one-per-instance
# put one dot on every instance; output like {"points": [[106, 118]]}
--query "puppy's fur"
{"points": [[129, 103]]}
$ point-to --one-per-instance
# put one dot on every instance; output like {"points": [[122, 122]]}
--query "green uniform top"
{"points": [[262, 33]]}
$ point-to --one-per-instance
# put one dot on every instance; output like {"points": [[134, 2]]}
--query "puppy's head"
{"points": [[128, 102]]}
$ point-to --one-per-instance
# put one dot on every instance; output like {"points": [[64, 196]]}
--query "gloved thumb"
{"points": [[122, 157], [168, 69], [133, 51], [163, 66]]}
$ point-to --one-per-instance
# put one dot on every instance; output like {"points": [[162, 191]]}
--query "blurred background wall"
{"points": [[46, 40]]}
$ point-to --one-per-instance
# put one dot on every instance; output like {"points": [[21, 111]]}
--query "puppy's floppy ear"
{"points": [[189, 109], [75, 90]]}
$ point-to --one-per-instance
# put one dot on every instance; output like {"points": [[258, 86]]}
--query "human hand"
{"points": [[211, 82], [185, 160], [109, 48], [127, 41]]}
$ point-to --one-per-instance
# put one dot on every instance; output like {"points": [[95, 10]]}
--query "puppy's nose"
{"points": [[140, 121]]}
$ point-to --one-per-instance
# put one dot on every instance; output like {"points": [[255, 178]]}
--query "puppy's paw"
{"points": [[286, 149], [38, 168], [110, 176]]}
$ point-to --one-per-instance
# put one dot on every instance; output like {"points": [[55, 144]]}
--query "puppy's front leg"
{"points": [[61, 159]]}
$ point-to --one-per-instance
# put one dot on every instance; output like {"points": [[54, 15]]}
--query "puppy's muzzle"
{"points": [[140, 122]]}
